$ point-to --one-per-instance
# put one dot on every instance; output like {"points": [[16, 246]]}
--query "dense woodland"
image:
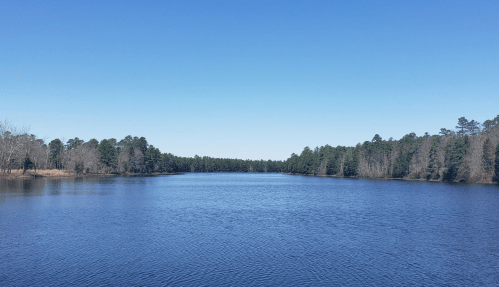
{"points": [[131, 155], [470, 153]]}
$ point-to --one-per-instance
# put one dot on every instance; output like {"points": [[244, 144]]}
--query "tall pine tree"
{"points": [[107, 154]]}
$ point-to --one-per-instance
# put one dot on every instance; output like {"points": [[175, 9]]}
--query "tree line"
{"points": [[469, 153], [131, 155]]}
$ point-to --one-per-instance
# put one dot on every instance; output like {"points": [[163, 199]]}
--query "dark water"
{"points": [[247, 229]]}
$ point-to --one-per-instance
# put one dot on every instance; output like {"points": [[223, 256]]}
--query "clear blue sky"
{"points": [[247, 79]]}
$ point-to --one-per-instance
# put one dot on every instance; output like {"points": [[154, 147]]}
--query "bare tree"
{"points": [[137, 161], [13, 139], [123, 157], [37, 154]]}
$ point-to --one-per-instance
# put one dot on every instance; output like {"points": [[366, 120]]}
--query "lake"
{"points": [[235, 229]]}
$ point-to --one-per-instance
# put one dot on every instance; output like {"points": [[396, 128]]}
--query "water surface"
{"points": [[229, 229]]}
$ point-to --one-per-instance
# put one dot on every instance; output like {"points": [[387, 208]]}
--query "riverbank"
{"points": [[18, 173], [399, 179], [56, 173]]}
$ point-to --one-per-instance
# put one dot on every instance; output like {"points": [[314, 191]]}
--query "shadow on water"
{"points": [[39, 186], [42, 186], [24, 186]]}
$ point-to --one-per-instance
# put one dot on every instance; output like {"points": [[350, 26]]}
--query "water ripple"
{"points": [[247, 230]]}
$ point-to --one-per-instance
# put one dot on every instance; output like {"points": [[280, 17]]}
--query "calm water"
{"points": [[247, 229]]}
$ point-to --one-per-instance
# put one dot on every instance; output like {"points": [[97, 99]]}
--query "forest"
{"points": [[131, 155], [468, 153]]}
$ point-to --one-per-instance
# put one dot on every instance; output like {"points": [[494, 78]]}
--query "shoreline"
{"points": [[401, 179], [55, 173]]}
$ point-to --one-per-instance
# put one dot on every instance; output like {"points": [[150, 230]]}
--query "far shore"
{"points": [[56, 173], [391, 178]]}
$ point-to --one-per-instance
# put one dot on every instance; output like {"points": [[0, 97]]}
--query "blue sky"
{"points": [[247, 79]]}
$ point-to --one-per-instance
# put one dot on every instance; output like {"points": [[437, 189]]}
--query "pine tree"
{"points": [[56, 149], [462, 125], [455, 157], [107, 154], [473, 127]]}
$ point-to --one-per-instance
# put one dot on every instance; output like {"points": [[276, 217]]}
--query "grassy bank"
{"points": [[18, 174]]}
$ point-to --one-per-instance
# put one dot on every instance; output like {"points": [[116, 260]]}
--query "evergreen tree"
{"points": [[434, 164], [74, 143], [350, 166], [306, 163], [455, 157], [107, 154], [56, 148], [402, 163], [93, 143], [496, 165], [141, 144], [151, 159], [444, 131], [292, 164], [462, 125], [27, 164], [473, 127], [408, 146], [79, 166], [487, 125]]}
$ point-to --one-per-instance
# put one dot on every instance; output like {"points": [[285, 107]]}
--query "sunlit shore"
{"points": [[55, 173]]}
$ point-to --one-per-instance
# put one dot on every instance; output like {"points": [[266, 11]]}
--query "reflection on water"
{"points": [[25, 186], [40, 186], [247, 229]]}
